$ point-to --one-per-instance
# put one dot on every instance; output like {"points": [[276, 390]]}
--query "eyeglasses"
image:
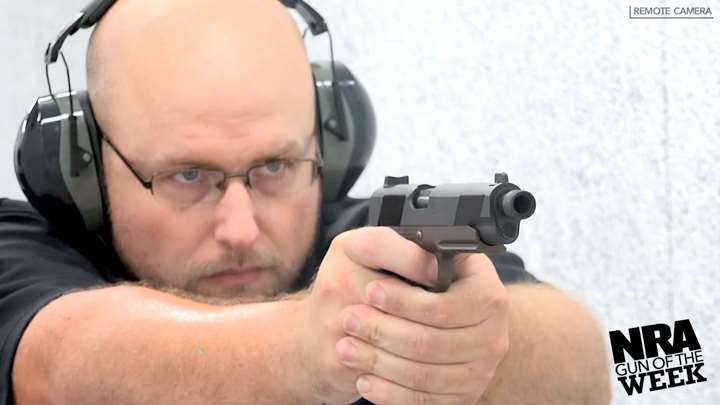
{"points": [[192, 185]]}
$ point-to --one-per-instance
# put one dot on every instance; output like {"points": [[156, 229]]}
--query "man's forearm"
{"points": [[135, 345], [557, 354]]}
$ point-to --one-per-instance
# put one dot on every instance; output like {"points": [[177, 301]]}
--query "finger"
{"points": [[466, 303], [471, 264], [381, 248], [380, 391], [436, 378], [416, 341]]}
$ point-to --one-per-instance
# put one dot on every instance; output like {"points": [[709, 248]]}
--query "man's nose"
{"points": [[235, 223]]}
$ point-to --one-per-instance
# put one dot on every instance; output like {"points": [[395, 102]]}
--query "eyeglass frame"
{"points": [[148, 183]]}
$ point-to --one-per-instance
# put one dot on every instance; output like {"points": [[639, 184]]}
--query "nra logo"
{"points": [[661, 357]]}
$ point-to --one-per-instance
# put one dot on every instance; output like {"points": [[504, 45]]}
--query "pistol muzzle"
{"points": [[518, 204]]}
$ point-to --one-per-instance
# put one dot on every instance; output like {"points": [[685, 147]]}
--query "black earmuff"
{"points": [[346, 123], [58, 160]]}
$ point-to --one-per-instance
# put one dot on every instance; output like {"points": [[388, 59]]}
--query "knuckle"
{"points": [[354, 238], [331, 286], [382, 232], [439, 312], [323, 289], [374, 334], [499, 302], [362, 243], [371, 361], [499, 347], [392, 304], [340, 241], [364, 246], [419, 377], [421, 398], [421, 344]]}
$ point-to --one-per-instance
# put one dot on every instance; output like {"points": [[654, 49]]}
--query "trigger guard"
{"points": [[445, 272]]}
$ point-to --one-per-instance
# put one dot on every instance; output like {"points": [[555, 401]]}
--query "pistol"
{"points": [[448, 219]]}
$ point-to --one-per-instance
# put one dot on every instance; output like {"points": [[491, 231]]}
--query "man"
{"points": [[225, 86]]}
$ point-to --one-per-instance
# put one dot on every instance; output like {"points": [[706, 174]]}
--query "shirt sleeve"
{"points": [[511, 268], [35, 268]]}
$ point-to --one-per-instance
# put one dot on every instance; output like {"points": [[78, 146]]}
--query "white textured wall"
{"points": [[613, 123]]}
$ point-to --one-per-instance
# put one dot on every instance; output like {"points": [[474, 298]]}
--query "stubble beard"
{"points": [[279, 276], [282, 272]]}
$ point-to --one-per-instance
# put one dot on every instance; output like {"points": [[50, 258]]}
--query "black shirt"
{"points": [[38, 265]]}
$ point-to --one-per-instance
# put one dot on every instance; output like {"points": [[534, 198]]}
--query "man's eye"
{"points": [[188, 176], [274, 168]]}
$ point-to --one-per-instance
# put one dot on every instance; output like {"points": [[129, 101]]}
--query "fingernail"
{"points": [[363, 385], [351, 323], [347, 350], [375, 294]]}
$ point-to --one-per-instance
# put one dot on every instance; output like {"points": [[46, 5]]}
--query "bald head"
{"points": [[188, 86], [239, 53]]}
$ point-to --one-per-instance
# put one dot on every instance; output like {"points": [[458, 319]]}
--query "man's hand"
{"points": [[392, 342]]}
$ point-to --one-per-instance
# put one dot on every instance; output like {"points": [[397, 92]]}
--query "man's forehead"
{"points": [[197, 57]]}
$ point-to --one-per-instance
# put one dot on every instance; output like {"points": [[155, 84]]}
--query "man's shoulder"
{"points": [[21, 224], [30, 242], [15, 210], [26, 236]]}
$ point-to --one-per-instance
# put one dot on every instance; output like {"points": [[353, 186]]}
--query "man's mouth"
{"points": [[236, 276]]}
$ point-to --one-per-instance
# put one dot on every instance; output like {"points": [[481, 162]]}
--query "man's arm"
{"points": [[557, 354], [136, 345]]}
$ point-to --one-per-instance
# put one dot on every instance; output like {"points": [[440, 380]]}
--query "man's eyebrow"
{"points": [[294, 146]]}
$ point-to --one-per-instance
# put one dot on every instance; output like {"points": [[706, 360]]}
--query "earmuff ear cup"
{"points": [[346, 125], [58, 162]]}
